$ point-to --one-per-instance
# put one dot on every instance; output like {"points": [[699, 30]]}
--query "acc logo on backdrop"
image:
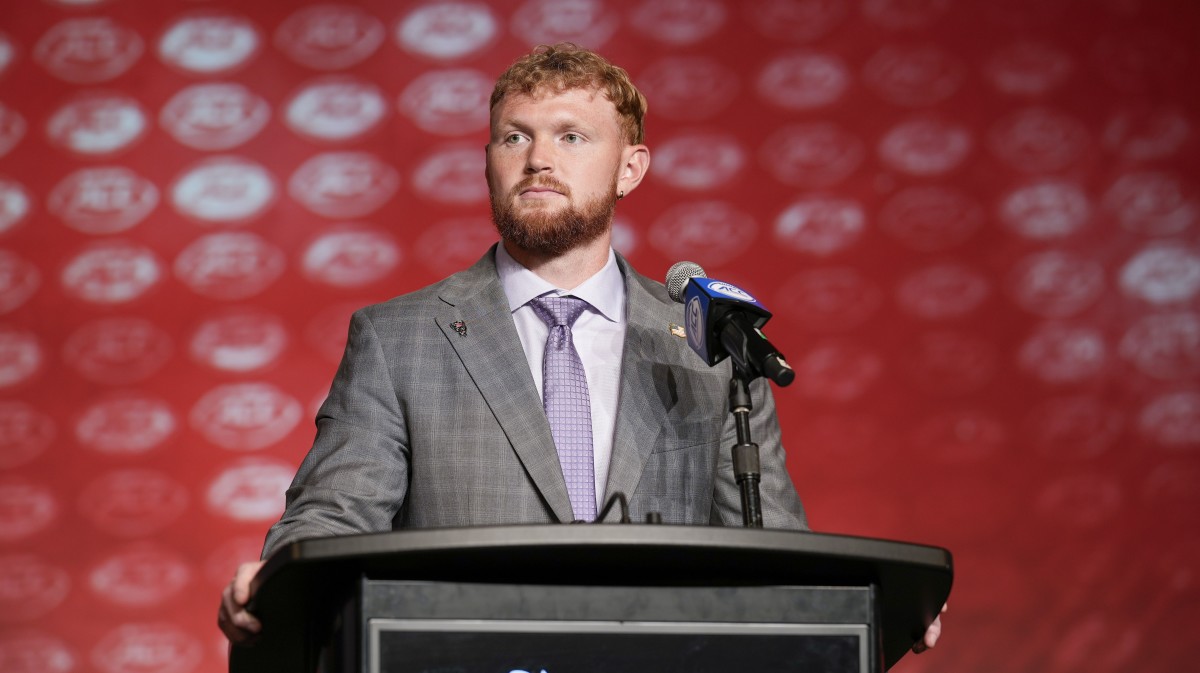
{"points": [[209, 44], [811, 155], [86, 51], [942, 291], [30, 587], [1063, 353], [1173, 420], [913, 75], [351, 257], [1162, 274], [678, 22], [820, 225], [1056, 284], [245, 416], [329, 37], [224, 190], [336, 108], [14, 202], [1164, 346], [949, 363], [688, 87], [117, 350], [711, 231], [448, 102], [1046, 209], [796, 20], [1028, 68], [830, 299], [447, 30], [343, 184], [142, 575], [699, 160], [229, 266], [1075, 427], [25, 433], [34, 652], [26, 508], [111, 272], [552, 21], [925, 146], [20, 356], [803, 80], [1152, 203], [97, 124], [451, 175], [1038, 140], [838, 372], [214, 116], [103, 200], [133, 502], [12, 128], [453, 245], [147, 648], [125, 424], [1143, 133], [251, 490], [19, 279], [239, 342]]}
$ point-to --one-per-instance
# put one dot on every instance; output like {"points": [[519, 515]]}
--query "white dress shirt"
{"points": [[598, 334]]}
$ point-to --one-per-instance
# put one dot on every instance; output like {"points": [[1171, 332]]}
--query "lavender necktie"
{"points": [[568, 404]]}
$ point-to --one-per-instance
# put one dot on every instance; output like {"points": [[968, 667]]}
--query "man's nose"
{"points": [[540, 158]]}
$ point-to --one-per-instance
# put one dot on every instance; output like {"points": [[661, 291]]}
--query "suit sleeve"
{"points": [[355, 477], [781, 507]]}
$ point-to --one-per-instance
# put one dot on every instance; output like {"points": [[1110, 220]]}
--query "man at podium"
{"points": [[544, 379]]}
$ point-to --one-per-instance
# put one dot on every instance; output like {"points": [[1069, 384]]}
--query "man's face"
{"points": [[553, 165]]}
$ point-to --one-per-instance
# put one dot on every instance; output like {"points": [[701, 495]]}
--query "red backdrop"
{"points": [[975, 220]]}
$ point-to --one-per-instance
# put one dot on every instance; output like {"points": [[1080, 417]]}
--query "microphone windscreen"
{"points": [[678, 276]]}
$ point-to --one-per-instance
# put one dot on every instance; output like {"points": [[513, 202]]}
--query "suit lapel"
{"points": [[491, 352], [640, 416]]}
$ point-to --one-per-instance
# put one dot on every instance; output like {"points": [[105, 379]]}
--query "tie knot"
{"points": [[558, 311]]}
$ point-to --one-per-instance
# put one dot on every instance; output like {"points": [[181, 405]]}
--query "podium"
{"points": [[592, 597]]}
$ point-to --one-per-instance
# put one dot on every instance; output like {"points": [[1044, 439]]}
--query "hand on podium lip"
{"points": [[931, 634], [236, 623]]}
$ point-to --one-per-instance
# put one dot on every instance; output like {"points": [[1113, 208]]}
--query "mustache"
{"points": [[542, 181]]}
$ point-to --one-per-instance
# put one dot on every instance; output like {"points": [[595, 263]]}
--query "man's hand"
{"points": [[931, 634], [238, 625]]}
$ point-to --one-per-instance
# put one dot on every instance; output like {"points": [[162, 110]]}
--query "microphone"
{"points": [[722, 320]]}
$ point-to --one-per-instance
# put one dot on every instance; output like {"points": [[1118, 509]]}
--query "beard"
{"points": [[552, 232]]}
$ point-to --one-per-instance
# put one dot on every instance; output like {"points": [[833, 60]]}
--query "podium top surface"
{"points": [[912, 580]]}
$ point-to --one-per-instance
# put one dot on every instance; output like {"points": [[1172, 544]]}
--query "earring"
{"points": [[620, 195]]}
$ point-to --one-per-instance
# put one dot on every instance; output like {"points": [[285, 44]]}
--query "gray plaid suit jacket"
{"points": [[427, 427]]}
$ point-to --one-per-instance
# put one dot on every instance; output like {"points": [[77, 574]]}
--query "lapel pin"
{"points": [[460, 327], [678, 331]]}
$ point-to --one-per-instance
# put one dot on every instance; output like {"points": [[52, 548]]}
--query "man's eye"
{"points": [[512, 138], [572, 138]]}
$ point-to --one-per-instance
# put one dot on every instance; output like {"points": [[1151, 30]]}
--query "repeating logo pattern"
{"points": [[974, 221]]}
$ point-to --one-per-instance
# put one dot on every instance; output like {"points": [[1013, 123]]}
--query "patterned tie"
{"points": [[568, 405]]}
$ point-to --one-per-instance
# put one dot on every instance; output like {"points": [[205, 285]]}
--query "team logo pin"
{"points": [[678, 331], [460, 327]]}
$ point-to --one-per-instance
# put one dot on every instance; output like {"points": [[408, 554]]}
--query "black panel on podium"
{"points": [[591, 598]]}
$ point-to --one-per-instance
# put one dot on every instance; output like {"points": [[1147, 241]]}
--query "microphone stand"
{"points": [[746, 468]]}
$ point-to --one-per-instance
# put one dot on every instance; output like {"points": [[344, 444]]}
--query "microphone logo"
{"points": [[695, 324], [731, 291]]}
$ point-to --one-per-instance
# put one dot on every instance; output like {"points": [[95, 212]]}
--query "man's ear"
{"points": [[635, 162]]}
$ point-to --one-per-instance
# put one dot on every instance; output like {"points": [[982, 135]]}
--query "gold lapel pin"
{"points": [[678, 331]]}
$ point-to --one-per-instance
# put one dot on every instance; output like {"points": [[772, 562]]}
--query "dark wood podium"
{"points": [[583, 598]]}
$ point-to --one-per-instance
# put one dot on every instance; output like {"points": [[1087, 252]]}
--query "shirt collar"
{"points": [[604, 291]]}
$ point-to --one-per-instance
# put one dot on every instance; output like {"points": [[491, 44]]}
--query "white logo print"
{"points": [[117, 350], [351, 257], [133, 502], [20, 356], [26, 508], [125, 424], [1064, 353], [552, 21], [1038, 140], [30, 587], [804, 80], [913, 76], [19, 279], [103, 200], [224, 190], [111, 273], [448, 102], [240, 342], [1147, 133], [14, 202], [343, 184], [838, 372], [699, 160], [245, 416], [1173, 420], [925, 146], [336, 109], [797, 20], [251, 490], [329, 37], [678, 22], [1152, 203], [1162, 274], [689, 87], [1056, 284], [34, 652], [942, 291], [209, 44], [145, 574], [812, 155], [85, 51], [447, 30], [711, 231], [229, 266], [12, 128], [7, 52], [451, 175], [97, 124], [1165, 346], [214, 116], [1028, 68], [25, 433], [820, 225], [830, 299], [147, 648], [1046, 209]]}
